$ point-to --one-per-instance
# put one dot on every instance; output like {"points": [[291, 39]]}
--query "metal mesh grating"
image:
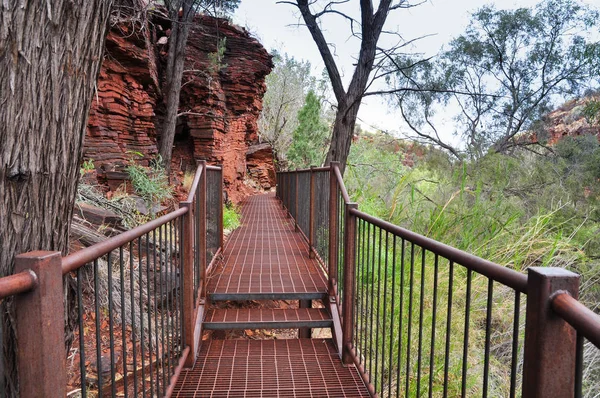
{"points": [[266, 257], [269, 368]]}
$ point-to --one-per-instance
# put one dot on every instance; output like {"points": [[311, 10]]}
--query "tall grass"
{"points": [[505, 209]]}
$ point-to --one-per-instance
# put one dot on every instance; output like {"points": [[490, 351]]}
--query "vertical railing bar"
{"points": [[448, 327], [385, 278], [357, 310], [133, 321], [400, 328], [410, 306], [466, 334], [433, 326], [392, 315], [378, 307], [363, 338], [221, 204], [515, 345], [111, 335], [164, 358], [170, 296], [349, 278], [201, 245], [421, 306], [149, 306], [333, 202], [141, 282], [488, 326], [155, 306], [182, 243], [372, 313], [311, 215], [81, 336], [123, 320], [98, 340]]}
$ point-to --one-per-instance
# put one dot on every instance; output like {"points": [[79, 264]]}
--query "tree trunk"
{"points": [[175, 64], [343, 131], [50, 56]]}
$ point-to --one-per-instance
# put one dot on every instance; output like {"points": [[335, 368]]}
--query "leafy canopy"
{"points": [[503, 73]]}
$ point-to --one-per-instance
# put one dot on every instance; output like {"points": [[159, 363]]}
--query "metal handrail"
{"points": [[197, 176], [506, 276], [22, 282], [84, 256], [584, 320], [341, 185]]}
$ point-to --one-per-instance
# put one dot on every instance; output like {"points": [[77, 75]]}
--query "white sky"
{"points": [[274, 25]]}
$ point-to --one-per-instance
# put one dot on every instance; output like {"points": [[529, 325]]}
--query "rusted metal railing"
{"points": [[138, 303], [421, 318]]}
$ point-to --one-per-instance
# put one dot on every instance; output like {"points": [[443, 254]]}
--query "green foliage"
{"points": [[87, 166], [309, 138], [150, 183], [503, 73], [287, 86], [215, 59], [231, 217], [518, 211], [591, 111]]}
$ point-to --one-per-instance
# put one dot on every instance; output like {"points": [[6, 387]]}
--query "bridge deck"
{"points": [[265, 259]]}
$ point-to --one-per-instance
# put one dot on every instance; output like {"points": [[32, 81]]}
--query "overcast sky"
{"points": [[275, 25]]}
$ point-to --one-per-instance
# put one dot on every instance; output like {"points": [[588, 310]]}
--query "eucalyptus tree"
{"points": [[370, 60], [502, 75]]}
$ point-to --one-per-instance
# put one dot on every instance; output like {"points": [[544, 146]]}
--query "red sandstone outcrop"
{"points": [[220, 101], [568, 121]]}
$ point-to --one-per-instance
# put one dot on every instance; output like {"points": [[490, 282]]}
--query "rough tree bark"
{"points": [[371, 25], [181, 13], [50, 56]]}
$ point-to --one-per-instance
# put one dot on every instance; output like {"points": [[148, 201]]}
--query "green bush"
{"points": [[150, 183], [231, 217]]}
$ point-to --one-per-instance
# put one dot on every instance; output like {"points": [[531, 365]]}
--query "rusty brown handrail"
{"points": [[341, 185], [19, 283], [584, 320], [192, 193], [79, 258], [507, 276]]}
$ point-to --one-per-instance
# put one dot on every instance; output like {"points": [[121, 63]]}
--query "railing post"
{"points": [[40, 325], [311, 215], [550, 343], [333, 232], [188, 283], [201, 220], [221, 207], [349, 282], [296, 202]]}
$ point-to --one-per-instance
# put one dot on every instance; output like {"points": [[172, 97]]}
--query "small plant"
{"points": [[87, 166], [215, 59], [188, 180], [231, 217], [150, 183]]}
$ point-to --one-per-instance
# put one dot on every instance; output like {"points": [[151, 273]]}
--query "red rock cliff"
{"points": [[220, 103]]}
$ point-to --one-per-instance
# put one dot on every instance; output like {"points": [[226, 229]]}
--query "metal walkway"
{"points": [[265, 259]]}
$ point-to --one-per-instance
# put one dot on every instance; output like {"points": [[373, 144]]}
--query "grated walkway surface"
{"points": [[269, 368], [266, 259]]}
